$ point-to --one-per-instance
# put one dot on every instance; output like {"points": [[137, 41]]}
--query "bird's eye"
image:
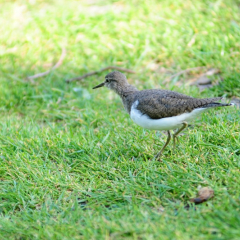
{"points": [[107, 80]]}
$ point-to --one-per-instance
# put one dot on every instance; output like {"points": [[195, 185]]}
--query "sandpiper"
{"points": [[158, 109]]}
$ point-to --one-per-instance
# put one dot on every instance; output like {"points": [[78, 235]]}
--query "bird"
{"points": [[159, 109]]}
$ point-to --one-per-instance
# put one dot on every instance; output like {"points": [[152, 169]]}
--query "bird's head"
{"points": [[115, 81]]}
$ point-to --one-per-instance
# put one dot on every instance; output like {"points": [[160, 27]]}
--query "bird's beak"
{"points": [[100, 85]]}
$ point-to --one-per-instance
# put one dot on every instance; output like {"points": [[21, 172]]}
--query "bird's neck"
{"points": [[125, 90], [127, 94]]}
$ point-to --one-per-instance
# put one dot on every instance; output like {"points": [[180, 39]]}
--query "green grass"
{"points": [[73, 164]]}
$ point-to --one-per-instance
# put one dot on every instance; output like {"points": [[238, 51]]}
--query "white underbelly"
{"points": [[163, 123]]}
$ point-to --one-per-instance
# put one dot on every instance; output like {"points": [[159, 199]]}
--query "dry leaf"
{"points": [[212, 71], [236, 101], [202, 87], [204, 194], [203, 80]]}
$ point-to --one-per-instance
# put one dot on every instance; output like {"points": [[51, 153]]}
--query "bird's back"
{"points": [[158, 104]]}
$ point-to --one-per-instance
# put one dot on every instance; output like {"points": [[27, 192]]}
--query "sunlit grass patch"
{"points": [[73, 164]]}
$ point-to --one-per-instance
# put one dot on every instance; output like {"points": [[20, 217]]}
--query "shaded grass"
{"points": [[73, 165]]}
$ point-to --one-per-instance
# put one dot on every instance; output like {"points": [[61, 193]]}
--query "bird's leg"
{"points": [[167, 142], [176, 133]]}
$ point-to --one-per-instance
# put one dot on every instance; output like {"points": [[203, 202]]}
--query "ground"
{"points": [[73, 164]]}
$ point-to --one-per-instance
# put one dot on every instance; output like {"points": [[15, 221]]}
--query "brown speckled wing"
{"points": [[162, 103]]}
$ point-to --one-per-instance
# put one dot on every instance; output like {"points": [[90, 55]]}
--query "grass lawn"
{"points": [[72, 163]]}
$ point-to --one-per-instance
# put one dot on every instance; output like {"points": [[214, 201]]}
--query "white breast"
{"points": [[163, 123]]}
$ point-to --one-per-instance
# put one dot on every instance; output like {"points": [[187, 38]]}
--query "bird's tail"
{"points": [[217, 104], [214, 104]]}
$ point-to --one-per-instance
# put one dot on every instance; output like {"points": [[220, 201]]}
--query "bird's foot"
{"points": [[161, 151], [175, 139], [158, 156], [176, 134]]}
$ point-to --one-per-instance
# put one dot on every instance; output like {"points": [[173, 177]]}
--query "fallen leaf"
{"points": [[202, 87], [236, 101], [212, 71], [204, 194], [203, 80]]}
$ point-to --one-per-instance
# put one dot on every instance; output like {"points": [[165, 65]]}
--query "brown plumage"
{"points": [[157, 104], [162, 103]]}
